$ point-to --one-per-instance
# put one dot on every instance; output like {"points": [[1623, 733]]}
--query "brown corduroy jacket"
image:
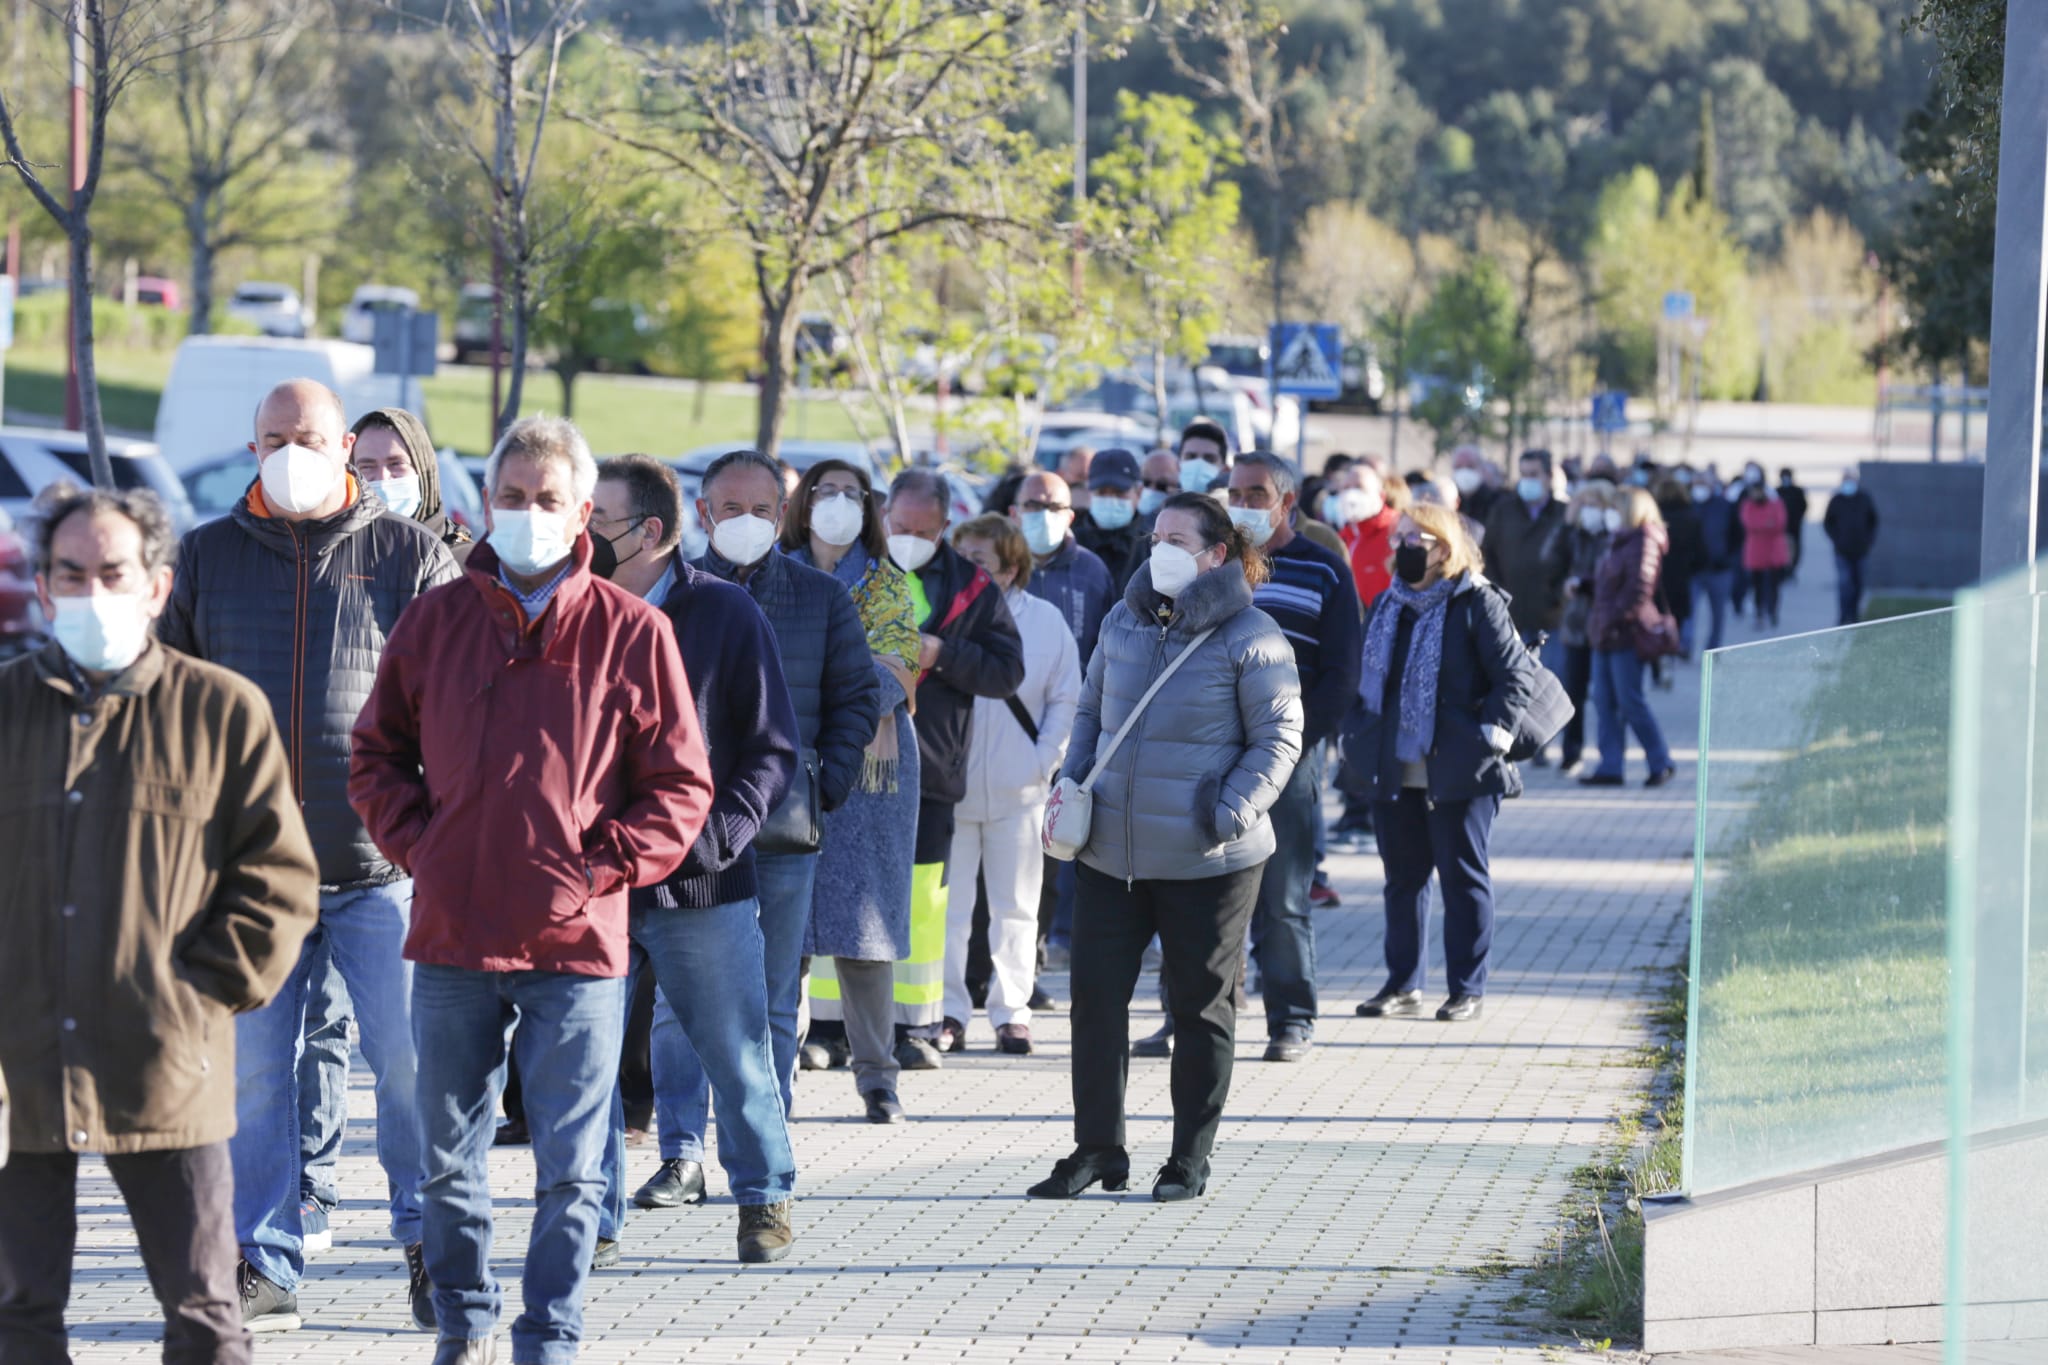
{"points": [[158, 878]]}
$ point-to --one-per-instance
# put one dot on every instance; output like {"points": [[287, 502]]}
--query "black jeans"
{"points": [[1767, 582], [182, 1206], [1201, 927], [1578, 682], [1450, 839], [636, 1062]]}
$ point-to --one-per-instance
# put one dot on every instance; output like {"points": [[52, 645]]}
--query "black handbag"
{"points": [[795, 826], [1550, 709]]}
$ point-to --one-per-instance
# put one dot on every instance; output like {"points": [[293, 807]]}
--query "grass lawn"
{"points": [[616, 414]]}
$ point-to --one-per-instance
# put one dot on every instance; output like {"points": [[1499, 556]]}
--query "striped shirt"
{"points": [[1312, 598]]}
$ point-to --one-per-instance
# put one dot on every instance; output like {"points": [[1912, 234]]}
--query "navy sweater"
{"points": [[1313, 598], [750, 734]]}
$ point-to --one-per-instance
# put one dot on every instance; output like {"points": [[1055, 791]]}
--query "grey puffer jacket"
{"points": [[303, 610], [1186, 795]]}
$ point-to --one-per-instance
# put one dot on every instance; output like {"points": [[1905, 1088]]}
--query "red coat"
{"points": [[1372, 545], [1764, 542], [528, 776]]}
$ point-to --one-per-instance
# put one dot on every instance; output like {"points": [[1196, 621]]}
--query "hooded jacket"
{"points": [[426, 462], [302, 609], [1185, 796]]}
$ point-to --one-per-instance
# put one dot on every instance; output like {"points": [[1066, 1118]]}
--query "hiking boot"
{"points": [[420, 1287], [678, 1182], [266, 1307], [764, 1232]]}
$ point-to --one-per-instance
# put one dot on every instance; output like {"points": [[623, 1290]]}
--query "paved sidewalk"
{"points": [[1363, 1206]]}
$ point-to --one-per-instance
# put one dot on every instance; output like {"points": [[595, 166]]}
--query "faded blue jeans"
{"points": [[364, 930], [709, 963], [569, 1032], [323, 1079]]}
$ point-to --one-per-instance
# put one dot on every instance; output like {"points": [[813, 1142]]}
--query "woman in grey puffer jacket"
{"points": [[1179, 835]]}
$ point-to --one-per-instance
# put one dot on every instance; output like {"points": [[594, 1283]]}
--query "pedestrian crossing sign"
{"points": [[1308, 359]]}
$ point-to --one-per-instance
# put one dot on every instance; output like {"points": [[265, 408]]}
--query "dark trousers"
{"points": [[636, 1063], [1578, 683], [182, 1206], [980, 965], [1767, 582], [1449, 839], [1283, 931], [1849, 589], [1201, 927]]}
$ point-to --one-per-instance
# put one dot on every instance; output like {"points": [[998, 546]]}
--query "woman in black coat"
{"points": [[1445, 680]]}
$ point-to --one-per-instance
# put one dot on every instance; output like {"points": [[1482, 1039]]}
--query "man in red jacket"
{"points": [[529, 753]]}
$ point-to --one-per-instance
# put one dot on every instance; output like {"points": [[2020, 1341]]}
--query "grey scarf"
{"points": [[1425, 656]]}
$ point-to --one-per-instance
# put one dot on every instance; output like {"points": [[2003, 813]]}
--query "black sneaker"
{"points": [[266, 1307], [1392, 1004], [1158, 1044], [421, 1288], [678, 1182], [1290, 1045]]}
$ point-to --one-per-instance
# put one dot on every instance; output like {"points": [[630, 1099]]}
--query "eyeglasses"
{"points": [[1415, 538], [1162, 485], [1040, 505], [823, 493]]}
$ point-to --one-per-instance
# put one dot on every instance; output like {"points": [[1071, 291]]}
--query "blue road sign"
{"points": [[1678, 305], [1308, 359], [1610, 411]]}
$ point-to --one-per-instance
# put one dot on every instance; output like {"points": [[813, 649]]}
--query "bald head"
{"points": [[300, 412], [1044, 486]]}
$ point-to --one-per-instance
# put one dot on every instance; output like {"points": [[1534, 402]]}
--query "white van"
{"points": [[209, 404]]}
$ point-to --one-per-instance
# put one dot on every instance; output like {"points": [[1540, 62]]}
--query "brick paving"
{"points": [[1365, 1204]]}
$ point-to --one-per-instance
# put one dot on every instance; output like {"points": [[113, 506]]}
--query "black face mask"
{"points": [[604, 552], [1411, 563]]}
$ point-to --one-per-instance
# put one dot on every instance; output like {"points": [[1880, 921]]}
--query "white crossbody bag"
{"points": [[1071, 807]]}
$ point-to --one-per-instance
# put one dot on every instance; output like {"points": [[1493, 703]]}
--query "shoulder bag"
{"points": [[1071, 807]]}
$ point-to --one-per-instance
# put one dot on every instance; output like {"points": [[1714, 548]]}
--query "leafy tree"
{"points": [[1465, 335]]}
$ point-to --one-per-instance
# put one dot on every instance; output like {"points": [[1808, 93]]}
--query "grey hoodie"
{"points": [[1186, 795]]}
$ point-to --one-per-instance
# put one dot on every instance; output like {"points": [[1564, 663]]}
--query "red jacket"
{"points": [[1372, 545], [527, 776], [1764, 542]]}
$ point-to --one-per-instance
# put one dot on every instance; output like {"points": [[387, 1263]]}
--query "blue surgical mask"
{"points": [[1045, 532], [1531, 490], [1848, 487], [1111, 514], [1150, 501], [1197, 475], [401, 495]]}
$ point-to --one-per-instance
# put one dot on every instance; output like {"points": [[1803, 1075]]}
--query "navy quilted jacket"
{"points": [[303, 612]]}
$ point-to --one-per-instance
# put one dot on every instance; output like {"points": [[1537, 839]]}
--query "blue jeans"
{"points": [[1283, 930], [1620, 704], [783, 883], [710, 1025], [1716, 585], [323, 1079], [570, 1030], [364, 930]]}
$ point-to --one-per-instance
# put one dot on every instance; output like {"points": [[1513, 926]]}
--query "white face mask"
{"points": [[298, 480], [1612, 518], [911, 553], [1045, 532], [103, 632], [401, 495], [528, 540], [1197, 475], [1355, 505], [837, 521], [744, 539], [1593, 519], [1256, 521], [1467, 479], [1172, 569], [1150, 501]]}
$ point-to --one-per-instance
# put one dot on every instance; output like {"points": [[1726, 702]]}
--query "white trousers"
{"points": [[1008, 856]]}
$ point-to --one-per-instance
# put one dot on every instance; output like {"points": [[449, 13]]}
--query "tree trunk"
{"points": [[567, 371], [515, 355], [199, 233], [1159, 395], [82, 343], [779, 319]]}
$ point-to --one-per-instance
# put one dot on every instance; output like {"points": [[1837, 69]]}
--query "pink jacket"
{"points": [[1764, 542]]}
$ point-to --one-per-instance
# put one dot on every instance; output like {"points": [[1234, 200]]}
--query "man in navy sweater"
{"points": [[1313, 597], [700, 929]]}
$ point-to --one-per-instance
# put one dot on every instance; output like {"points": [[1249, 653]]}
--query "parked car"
{"points": [[1060, 431], [462, 493], [1365, 383], [1205, 392], [153, 290], [359, 319], [473, 323], [272, 309], [216, 382], [21, 615], [32, 458], [823, 345]]}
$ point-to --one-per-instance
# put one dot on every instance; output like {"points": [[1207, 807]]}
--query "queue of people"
{"points": [[451, 796]]}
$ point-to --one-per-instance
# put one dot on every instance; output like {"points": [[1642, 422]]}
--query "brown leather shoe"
{"points": [[764, 1232]]}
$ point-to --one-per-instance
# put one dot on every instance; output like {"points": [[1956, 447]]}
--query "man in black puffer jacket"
{"points": [[970, 649], [297, 590]]}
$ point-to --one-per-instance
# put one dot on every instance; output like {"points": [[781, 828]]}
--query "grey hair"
{"points": [[922, 483], [742, 459], [546, 440], [1278, 467], [60, 501]]}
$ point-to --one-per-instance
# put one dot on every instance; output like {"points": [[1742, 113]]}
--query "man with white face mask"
{"points": [[297, 590], [1073, 579], [155, 822]]}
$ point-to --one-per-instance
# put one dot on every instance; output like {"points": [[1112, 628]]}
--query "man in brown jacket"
{"points": [[159, 880]]}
